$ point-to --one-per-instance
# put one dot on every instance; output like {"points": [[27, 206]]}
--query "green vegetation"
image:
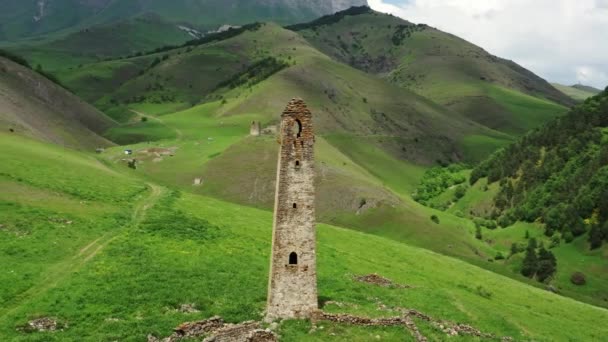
{"points": [[331, 18], [541, 264], [493, 92], [437, 180], [556, 174], [186, 218], [15, 58], [63, 17], [140, 132], [128, 263], [31, 105], [255, 73], [577, 92]]}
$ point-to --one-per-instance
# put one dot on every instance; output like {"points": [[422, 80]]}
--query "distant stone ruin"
{"points": [[292, 291], [256, 129]]}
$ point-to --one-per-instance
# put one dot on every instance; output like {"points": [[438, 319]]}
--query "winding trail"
{"points": [[61, 271]]}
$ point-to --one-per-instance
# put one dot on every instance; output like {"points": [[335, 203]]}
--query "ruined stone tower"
{"points": [[292, 290], [256, 129]]}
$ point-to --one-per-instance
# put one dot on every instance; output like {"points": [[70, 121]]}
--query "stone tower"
{"points": [[256, 129], [292, 290]]}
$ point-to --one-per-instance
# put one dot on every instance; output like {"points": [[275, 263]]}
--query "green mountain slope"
{"points": [[34, 106], [489, 90], [550, 186], [373, 136], [256, 72], [122, 38], [36, 19], [132, 254], [590, 89], [566, 159], [577, 92]]}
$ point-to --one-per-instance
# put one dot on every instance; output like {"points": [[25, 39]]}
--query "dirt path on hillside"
{"points": [[178, 132], [59, 272]]}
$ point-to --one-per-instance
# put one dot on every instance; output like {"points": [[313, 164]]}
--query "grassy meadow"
{"points": [[138, 251]]}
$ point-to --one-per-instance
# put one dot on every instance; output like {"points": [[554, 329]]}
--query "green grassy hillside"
{"points": [[494, 92], [551, 186], [258, 71], [33, 106], [91, 44], [132, 253], [51, 19], [577, 92], [374, 138], [352, 170]]}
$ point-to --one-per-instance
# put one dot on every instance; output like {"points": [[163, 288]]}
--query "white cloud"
{"points": [[564, 41]]}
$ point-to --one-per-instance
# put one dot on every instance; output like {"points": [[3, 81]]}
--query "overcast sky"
{"points": [[563, 41]]}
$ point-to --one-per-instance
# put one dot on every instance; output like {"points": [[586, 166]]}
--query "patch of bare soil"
{"points": [[216, 330], [187, 308], [158, 151], [378, 280]]}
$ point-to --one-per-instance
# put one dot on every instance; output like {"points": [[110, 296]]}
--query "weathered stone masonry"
{"points": [[292, 291]]}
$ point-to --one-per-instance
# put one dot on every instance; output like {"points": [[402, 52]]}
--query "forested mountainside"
{"points": [[557, 174]]}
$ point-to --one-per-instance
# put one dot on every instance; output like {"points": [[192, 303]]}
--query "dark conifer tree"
{"points": [[547, 265], [530, 264], [595, 237]]}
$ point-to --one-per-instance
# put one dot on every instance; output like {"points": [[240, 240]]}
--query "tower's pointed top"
{"points": [[296, 107]]}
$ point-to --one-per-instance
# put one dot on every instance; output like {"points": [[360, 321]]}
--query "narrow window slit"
{"points": [[293, 258], [299, 128]]}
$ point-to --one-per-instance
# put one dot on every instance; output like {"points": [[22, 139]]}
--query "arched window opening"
{"points": [[298, 128], [293, 258], [297, 163], [295, 205]]}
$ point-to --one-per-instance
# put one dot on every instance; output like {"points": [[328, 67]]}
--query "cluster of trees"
{"points": [[439, 179], [405, 31], [557, 174], [23, 62], [331, 19], [255, 73], [209, 38], [15, 58], [597, 235], [539, 262]]}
